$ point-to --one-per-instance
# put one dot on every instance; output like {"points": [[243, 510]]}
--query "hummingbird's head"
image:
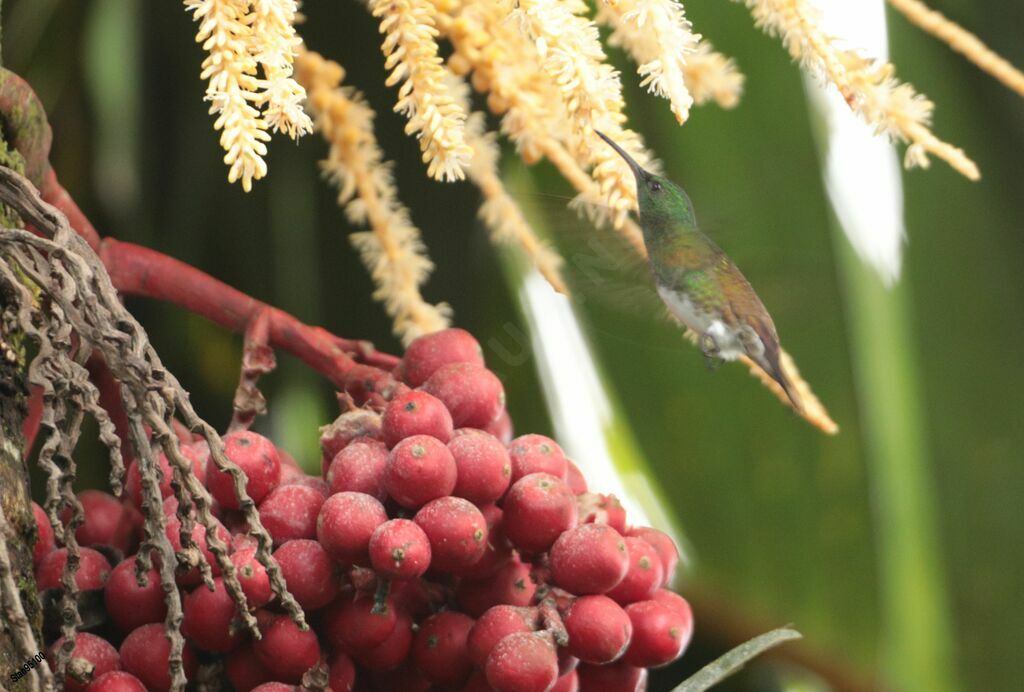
{"points": [[658, 198]]}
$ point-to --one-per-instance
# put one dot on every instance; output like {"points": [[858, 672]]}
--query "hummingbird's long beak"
{"points": [[640, 173]]}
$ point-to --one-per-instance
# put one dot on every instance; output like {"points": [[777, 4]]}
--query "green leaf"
{"points": [[724, 666]]}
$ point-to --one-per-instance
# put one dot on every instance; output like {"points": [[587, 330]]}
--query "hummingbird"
{"points": [[698, 283]]}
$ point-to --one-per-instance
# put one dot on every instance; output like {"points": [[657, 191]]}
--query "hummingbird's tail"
{"points": [[770, 362]]}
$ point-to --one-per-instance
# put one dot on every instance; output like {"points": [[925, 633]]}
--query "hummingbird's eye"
{"points": [[654, 186]]}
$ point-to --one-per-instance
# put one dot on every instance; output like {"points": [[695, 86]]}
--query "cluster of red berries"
{"points": [[434, 553]]}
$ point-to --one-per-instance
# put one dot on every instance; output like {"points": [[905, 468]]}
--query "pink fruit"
{"points": [[93, 569], [93, 651], [115, 681], [129, 604], [192, 576], [473, 394], [252, 576], [290, 512], [574, 477], [665, 546], [359, 468], [428, 353], [197, 452], [419, 469], [673, 601], [457, 532], [589, 559], [644, 576], [510, 585], [599, 629], [286, 650], [105, 521], [484, 468], [399, 549], [415, 413], [257, 457], [208, 616], [660, 634], [356, 424], [44, 534], [596, 508], [439, 648], [345, 524], [312, 577], [523, 662], [355, 625], [538, 508], [617, 677], [536, 454], [145, 653], [390, 653], [496, 624]]}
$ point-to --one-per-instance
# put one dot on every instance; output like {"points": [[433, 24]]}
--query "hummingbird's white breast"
{"points": [[731, 343]]}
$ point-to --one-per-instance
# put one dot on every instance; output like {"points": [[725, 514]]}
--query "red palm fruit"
{"points": [[501, 427], [536, 454], [415, 413], [44, 534], [173, 531], [417, 597], [244, 669], [372, 386], [439, 648], [523, 662], [341, 676], [596, 508], [510, 585], [104, 520], [484, 468], [599, 629], [115, 681], [345, 524], [359, 468], [390, 653], [430, 352], [673, 601], [659, 634], [497, 551], [290, 512], [313, 578], [252, 576], [617, 677], [538, 508], [93, 651], [645, 573], [420, 469], [275, 687], [257, 457], [568, 682], [496, 624], [405, 678], [286, 650], [93, 569], [589, 559], [145, 653], [399, 549], [197, 452], [574, 477], [354, 625], [129, 604], [666, 547], [457, 532], [208, 616], [473, 394], [356, 424]]}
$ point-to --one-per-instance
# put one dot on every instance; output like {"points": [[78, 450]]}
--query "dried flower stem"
{"points": [[962, 41]]}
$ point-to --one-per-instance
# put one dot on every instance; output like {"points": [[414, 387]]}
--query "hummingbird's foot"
{"points": [[712, 362], [711, 353]]}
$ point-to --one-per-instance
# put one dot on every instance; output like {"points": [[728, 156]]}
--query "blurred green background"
{"points": [[895, 547]]}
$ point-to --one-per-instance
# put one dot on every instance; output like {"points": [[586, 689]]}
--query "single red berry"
{"points": [[473, 394], [589, 559], [258, 459], [390, 653], [644, 576], [399, 549], [345, 524], [596, 508], [538, 508], [341, 676], [501, 427], [659, 634], [428, 353], [497, 551], [131, 604], [439, 648], [599, 629], [208, 616], [359, 468], [145, 653], [616, 677], [44, 535], [275, 687], [313, 578], [104, 523], [574, 477], [286, 650], [290, 512], [484, 468], [192, 576], [115, 681], [457, 532], [510, 585], [197, 452], [420, 469], [523, 662], [356, 424], [415, 413], [666, 547], [93, 651], [244, 669], [252, 576], [673, 601], [359, 624], [93, 569], [536, 454], [568, 682], [496, 624]]}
